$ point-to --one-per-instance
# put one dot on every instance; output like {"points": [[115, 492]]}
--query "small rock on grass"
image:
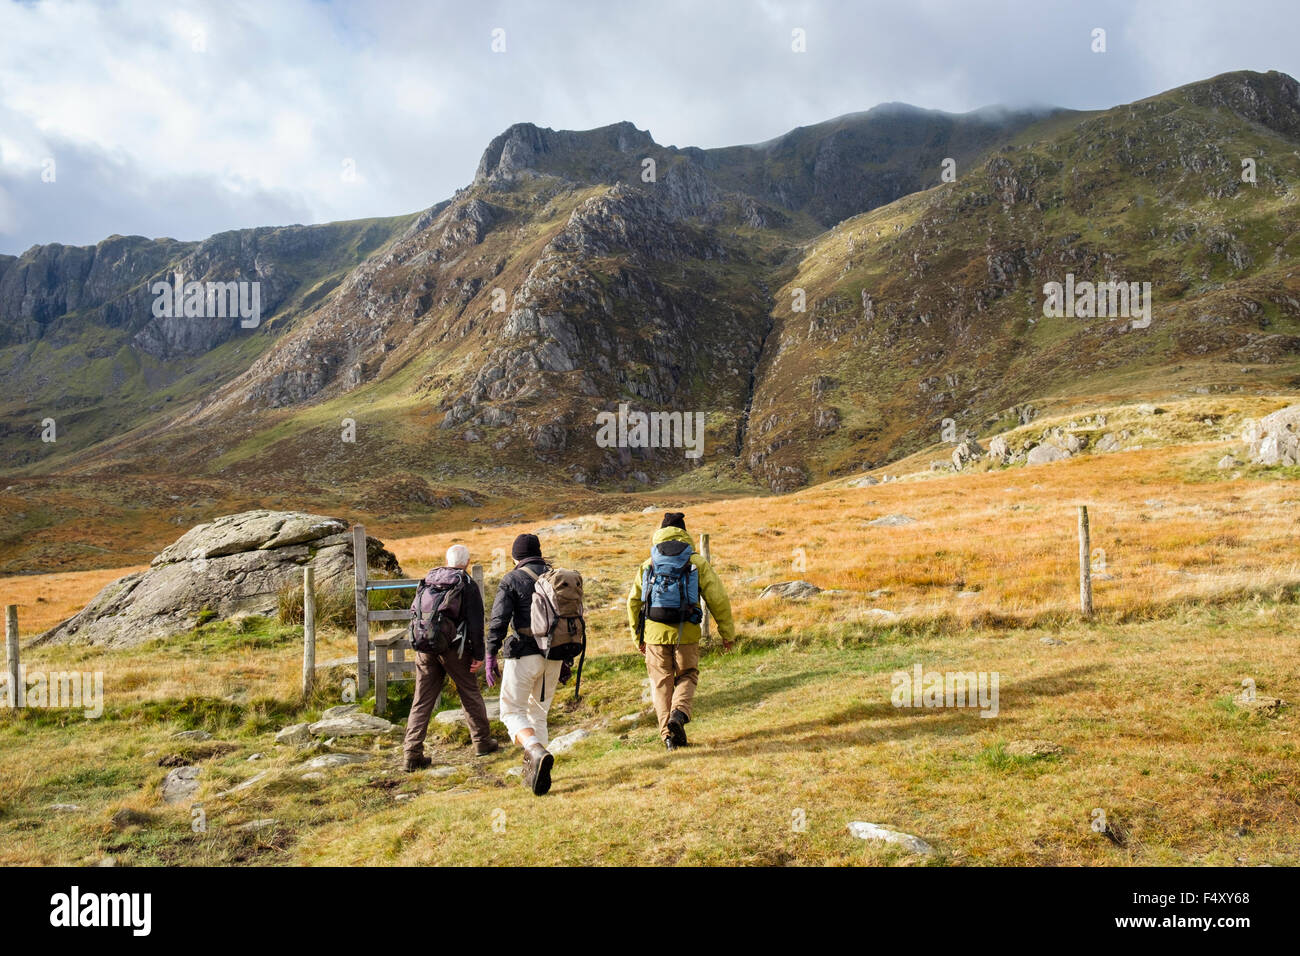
{"points": [[1260, 704], [1033, 748], [180, 784], [255, 825], [891, 521], [295, 735], [245, 785], [444, 771], [566, 742], [350, 725], [63, 807], [192, 735], [334, 760], [790, 590], [874, 831], [1053, 641]]}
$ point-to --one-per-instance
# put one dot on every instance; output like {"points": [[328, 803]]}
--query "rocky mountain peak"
{"points": [[596, 155]]}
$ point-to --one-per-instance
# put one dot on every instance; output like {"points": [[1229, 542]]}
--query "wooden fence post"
{"points": [[363, 610], [1085, 566], [308, 631], [17, 692], [704, 625], [476, 572]]}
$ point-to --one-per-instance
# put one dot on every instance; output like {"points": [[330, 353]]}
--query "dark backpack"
{"points": [[438, 610], [670, 588]]}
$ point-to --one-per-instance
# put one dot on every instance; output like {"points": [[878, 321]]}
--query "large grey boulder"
{"points": [[1275, 438], [1046, 453], [235, 564]]}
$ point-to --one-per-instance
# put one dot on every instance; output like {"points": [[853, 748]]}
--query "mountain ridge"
{"points": [[474, 343]]}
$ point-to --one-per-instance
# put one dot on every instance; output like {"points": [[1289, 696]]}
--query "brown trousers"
{"points": [[674, 671], [430, 672]]}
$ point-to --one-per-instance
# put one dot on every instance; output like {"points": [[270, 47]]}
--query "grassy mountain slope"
{"points": [[1199, 595], [931, 307]]}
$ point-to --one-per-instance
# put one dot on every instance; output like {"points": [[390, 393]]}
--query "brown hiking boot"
{"points": [[416, 762], [677, 722], [537, 769], [488, 746]]}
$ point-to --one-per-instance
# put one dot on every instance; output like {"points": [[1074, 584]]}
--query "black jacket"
{"points": [[513, 606], [473, 611]]}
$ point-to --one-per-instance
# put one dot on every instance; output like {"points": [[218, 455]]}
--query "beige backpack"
{"points": [[558, 623]]}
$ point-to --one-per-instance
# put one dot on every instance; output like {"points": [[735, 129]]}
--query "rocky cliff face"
{"points": [[477, 342]]}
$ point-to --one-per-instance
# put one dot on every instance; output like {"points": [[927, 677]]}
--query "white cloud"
{"points": [[154, 136]]}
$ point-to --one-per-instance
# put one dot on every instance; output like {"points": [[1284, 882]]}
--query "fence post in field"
{"points": [[1085, 566], [17, 692], [476, 572], [361, 563], [308, 630], [704, 625]]}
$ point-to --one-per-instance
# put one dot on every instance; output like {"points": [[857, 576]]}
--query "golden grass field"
{"points": [[1199, 592]]}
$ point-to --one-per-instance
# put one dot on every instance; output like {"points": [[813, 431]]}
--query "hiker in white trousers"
{"points": [[523, 708], [527, 671]]}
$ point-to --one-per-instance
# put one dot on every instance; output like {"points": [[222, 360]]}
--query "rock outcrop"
{"points": [[237, 563], [1275, 438]]}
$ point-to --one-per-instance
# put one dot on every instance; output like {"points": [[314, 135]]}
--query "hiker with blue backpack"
{"points": [[665, 615], [538, 626], [446, 633]]}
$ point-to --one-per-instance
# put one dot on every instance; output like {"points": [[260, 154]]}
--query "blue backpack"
{"points": [[670, 587]]}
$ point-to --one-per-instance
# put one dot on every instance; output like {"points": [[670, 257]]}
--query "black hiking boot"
{"points": [[669, 744], [537, 769], [414, 763], [677, 729], [488, 746]]}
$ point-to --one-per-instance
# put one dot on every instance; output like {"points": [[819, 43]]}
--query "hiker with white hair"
{"points": [[447, 635]]}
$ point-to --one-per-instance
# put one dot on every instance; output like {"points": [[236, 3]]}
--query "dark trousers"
{"points": [[430, 672]]}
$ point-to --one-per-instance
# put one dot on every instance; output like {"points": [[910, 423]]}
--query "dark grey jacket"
{"points": [[512, 611]]}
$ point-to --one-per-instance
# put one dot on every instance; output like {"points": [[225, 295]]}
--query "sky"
{"points": [[183, 118]]}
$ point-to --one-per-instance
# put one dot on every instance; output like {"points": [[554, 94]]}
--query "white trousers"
{"points": [[522, 704]]}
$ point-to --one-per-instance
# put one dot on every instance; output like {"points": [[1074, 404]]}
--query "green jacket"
{"points": [[711, 590]]}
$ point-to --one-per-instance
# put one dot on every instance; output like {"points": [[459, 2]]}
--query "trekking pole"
{"points": [[704, 624]]}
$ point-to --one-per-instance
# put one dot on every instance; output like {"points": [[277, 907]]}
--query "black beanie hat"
{"points": [[674, 519], [526, 546]]}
